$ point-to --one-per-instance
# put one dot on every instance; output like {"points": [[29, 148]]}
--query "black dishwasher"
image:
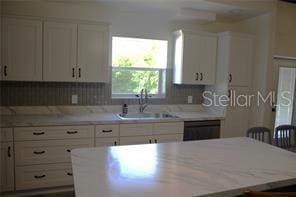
{"points": [[201, 130]]}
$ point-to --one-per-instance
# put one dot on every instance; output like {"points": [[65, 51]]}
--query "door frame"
{"points": [[278, 62]]}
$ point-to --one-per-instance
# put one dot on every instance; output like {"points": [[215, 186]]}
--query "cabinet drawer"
{"points": [[56, 132], [45, 152], [6, 134], [168, 128], [136, 129], [136, 140], [107, 130], [110, 141], [42, 176]]}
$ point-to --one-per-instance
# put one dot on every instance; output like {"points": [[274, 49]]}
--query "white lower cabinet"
{"points": [[151, 133], [42, 154], [7, 167], [43, 176]]}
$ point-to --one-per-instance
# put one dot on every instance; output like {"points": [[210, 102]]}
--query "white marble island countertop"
{"points": [[222, 167]]}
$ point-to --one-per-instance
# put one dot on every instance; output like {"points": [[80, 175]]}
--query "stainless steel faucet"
{"points": [[143, 103]]}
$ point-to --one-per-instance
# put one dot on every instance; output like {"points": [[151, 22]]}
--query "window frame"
{"points": [[161, 83], [162, 74]]}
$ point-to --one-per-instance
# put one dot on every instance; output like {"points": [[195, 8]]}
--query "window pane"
{"points": [[135, 52], [130, 81]]}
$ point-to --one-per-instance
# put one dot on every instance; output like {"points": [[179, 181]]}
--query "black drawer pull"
{"points": [[72, 132], [70, 174], [150, 141], [155, 140], [38, 133], [39, 177], [38, 152], [115, 143], [9, 151], [201, 76], [196, 77], [5, 71], [68, 150], [107, 131], [73, 72]]}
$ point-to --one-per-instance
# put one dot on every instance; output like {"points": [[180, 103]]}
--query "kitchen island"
{"points": [[222, 167]]}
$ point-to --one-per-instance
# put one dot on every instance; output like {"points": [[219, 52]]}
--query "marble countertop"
{"points": [[221, 167], [98, 118]]}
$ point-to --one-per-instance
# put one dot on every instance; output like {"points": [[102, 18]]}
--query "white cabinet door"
{"points": [[109, 141], [197, 62], [22, 50], [206, 57], [241, 59], [7, 169], [60, 48], [168, 138], [92, 53], [136, 140], [237, 117]]}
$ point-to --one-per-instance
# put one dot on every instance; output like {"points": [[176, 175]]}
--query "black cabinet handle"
{"points": [[229, 93], [38, 133], [39, 177], [39, 152], [79, 72], [73, 72], [115, 143], [155, 140], [196, 77], [150, 141], [9, 151], [230, 78], [201, 76], [5, 71], [68, 150], [107, 131], [72, 132], [70, 174]]}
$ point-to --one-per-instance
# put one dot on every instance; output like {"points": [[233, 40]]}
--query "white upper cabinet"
{"points": [[239, 54], [92, 57], [21, 50], [60, 49], [195, 58], [75, 52]]}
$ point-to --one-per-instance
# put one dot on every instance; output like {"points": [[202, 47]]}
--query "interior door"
{"points": [[22, 50], [60, 48], [284, 80], [92, 53]]}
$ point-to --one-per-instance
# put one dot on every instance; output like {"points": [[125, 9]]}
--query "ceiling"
{"points": [[194, 10]]}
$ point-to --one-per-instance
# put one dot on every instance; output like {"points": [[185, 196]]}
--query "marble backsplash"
{"points": [[59, 93]]}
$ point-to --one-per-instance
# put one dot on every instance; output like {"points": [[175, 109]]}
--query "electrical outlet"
{"points": [[74, 99], [189, 99]]}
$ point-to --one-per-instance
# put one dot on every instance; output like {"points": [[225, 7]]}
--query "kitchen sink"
{"points": [[146, 116]]}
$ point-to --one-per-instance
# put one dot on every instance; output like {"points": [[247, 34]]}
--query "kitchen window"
{"points": [[138, 64]]}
